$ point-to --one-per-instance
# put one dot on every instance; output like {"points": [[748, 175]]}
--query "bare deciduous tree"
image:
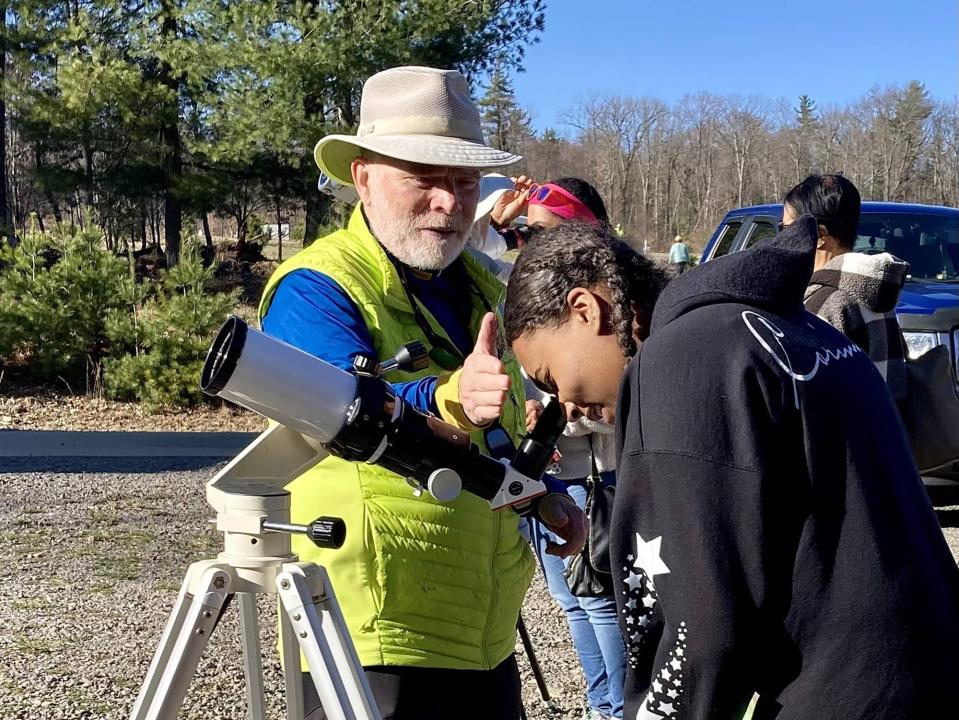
{"points": [[677, 169]]}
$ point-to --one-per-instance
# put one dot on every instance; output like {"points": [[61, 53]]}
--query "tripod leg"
{"points": [[162, 654], [310, 603], [205, 592], [292, 674], [252, 661], [533, 662]]}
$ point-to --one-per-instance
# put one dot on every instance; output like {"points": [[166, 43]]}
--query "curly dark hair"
{"points": [[573, 255]]}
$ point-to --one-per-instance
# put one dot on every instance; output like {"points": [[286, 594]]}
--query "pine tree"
{"points": [[806, 113], [160, 341], [550, 144], [506, 125], [805, 133]]}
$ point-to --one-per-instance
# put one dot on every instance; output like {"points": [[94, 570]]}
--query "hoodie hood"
{"points": [[772, 275], [872, 280]]}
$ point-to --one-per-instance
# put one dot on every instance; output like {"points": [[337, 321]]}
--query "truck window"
{"points": [[759, 231], [929, 243], [725, 242]]}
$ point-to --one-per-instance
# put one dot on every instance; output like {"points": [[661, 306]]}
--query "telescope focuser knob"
{"points": [[411, 357]]}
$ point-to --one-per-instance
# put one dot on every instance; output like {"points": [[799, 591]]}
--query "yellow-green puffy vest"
{"points": [[420, 582]]}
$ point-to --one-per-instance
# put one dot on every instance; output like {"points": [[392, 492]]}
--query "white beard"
{"points": [[406, 243]]}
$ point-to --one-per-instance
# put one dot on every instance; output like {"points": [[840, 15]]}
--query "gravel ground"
{"points": [[93, 553]]}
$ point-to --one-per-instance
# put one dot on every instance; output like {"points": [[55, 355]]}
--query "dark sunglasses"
{"points": [[782, 226]]}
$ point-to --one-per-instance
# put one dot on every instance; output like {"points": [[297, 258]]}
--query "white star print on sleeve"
{"points": [[648, 557]]}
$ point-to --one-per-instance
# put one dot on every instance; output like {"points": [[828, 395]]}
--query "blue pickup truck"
{"points": [[925, 236]]}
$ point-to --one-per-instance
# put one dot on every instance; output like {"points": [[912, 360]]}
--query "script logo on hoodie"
{"points": [[768, 334]]}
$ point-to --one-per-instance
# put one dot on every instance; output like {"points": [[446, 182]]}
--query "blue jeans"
{"points": [[592, 625]]}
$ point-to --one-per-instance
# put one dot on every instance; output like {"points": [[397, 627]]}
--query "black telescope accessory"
{"points": [[380, 428], [411, 357], [325, 532], [536, 449]]}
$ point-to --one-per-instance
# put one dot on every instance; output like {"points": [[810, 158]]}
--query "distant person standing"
{"points": [[679, 255]]}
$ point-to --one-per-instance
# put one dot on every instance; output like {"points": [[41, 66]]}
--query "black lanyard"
{"points": [[442, 351]]}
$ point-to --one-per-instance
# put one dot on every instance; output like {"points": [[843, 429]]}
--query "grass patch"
{"points": [[167, 586], [115, 554], [32, 603], [105, 514], [31, 646], [26, 540], [118, 568], [123, 539], [86, 702]]}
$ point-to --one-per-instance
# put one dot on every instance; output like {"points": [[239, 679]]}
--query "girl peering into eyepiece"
{"points": [[770, 534], [587, 467]]}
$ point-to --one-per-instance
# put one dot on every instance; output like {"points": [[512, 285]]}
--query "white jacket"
{"points": [[574, 444]]}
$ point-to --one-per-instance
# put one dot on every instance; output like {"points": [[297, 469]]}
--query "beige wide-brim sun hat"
{"points": [[417, 114]]}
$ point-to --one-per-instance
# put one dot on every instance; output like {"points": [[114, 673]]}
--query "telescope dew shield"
{"points": [[278, 381]]}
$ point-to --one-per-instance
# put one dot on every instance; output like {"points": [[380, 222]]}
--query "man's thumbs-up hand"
{"points": [[484, 383]]}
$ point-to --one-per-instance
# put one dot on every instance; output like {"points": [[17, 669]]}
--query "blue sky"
{"points": [[832, 50]]}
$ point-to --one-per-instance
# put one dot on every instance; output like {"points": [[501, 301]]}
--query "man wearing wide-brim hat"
{"points": [[430, 591]]}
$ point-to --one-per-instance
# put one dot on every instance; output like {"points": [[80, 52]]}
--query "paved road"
{"points": [[44, 443]]}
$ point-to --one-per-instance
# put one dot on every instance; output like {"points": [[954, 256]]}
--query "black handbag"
{"points": [[930, 410], [589, 574]]}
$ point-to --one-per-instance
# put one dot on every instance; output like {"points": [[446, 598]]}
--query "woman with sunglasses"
{"points": [[565, 200], [586, 449], [546, 205]]}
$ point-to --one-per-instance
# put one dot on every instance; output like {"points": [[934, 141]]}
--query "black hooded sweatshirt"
{"points": [[770, 533]]}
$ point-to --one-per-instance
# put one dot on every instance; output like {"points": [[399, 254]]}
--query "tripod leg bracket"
{"points": [[320, 629]]}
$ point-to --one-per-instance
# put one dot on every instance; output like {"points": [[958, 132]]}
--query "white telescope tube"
{"points": [[279, 381]]}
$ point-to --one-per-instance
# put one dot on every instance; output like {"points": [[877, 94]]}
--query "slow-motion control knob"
{"points": [[325, 532], [444, 484]]}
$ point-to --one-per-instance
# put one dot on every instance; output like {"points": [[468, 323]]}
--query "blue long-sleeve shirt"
{"points": [[312, 312]]}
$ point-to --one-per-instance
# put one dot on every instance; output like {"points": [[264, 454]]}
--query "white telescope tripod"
{"points": [[253, 513]]}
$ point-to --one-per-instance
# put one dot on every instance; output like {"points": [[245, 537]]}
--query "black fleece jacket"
{"points": [[770, 533]]}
